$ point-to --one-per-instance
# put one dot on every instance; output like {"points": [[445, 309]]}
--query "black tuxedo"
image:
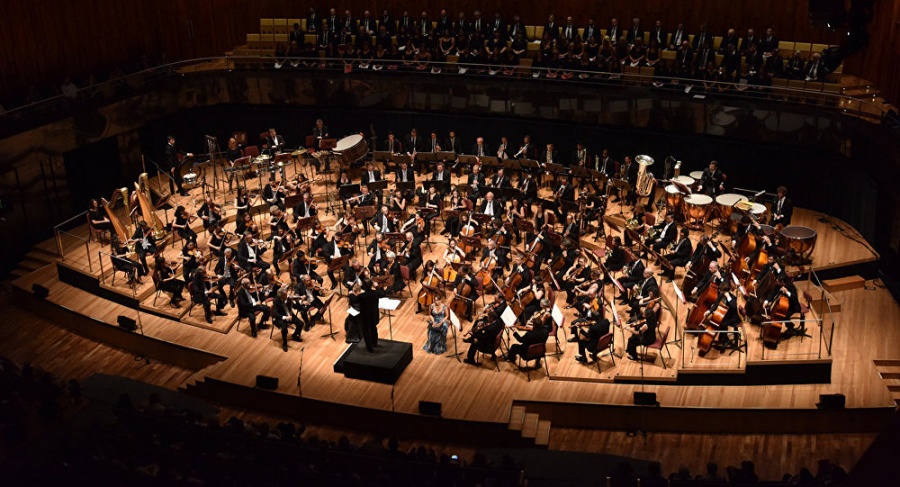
{"points": [[485, 339], [275, 143], [678, 36], [635, 33], [782, 210], [591, 31], [409, 173], [614, 32], [431, 145], [553, 157], [368, 309], [245, 259], [301, 210], [495, 206], [528, 187], [248, 306], [711, 180], [413, 144], [615, 260], [658, 34], [635, 274], [537, 335], [365, 178], [394, 148], [668, 231], [174, 166], [482, 151], [503, 182], [453, 145]]}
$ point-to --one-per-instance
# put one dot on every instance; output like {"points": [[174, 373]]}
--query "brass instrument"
{"points": [[645, 181]]}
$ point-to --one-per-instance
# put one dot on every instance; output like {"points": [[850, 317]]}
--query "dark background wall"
{"points": [[45, 40]]}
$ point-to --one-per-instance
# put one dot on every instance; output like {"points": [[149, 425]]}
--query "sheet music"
{"points": [[615, 314], [352, 312], [508, 317], [557, 315], [454, 320], [678, 293], [388, 304]]}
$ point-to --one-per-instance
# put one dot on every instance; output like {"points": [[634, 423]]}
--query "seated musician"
{"points": [[227, 271], [202, 294], [122, 263], [364, 198], [785, 287], [250, 255], [249, 305], [98, 218], [411, 251], [303, 266], [273, 193], [370, 175], [190, 257], [535, 286], [354, 273], [643, 333], [217, 239], [405, 174], [282, 244], [392, 268], [539, 331], [564, 193], [376, 250], [732, 318], [572, 230], [166, 281], [490, 206], [242, 203], [306, 208], [382, 221], [529, 188], [333, 250], [500, 180], [483, 336], [638, 223], [516, 213], [589, 306], [712, 181], [182, 225], [464, 277], [667, 231], [575, 276], [145, 244], [706, 247], [615, 257], [520, 268], [432, 202], [277, 220], [680, 255], [476, 182], [632, 274], [747, 226], [306, 301], [773, 267], [441, 176], [492, 255], [713, 275], [393, 145], [283, 318], [643, 291]]}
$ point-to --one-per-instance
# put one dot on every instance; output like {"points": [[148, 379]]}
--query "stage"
{"points": [[764, 391]]}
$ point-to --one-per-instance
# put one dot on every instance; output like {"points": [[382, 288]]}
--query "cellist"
{"points": [[466, 289], [785, 287], [732, 319]]}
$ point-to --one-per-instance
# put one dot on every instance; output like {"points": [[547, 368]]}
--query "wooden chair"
{"points": [[404, 273], [251, 151], [604, 344], [659, 344], [190, 289], [120, 265], [92, 230], [535, 351], [498, 340]]}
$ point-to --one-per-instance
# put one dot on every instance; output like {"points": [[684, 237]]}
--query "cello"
{"points": [[430, 286], [458, 303], [512, 283]]}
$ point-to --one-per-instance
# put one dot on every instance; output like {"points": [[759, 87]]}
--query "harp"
{"points": [[147, 209], [120, 229]]}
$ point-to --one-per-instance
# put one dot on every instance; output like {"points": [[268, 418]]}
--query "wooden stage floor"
{"points": [[863, 331]]}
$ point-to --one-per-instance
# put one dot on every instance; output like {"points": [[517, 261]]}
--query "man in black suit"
{"points": [[679, 35], [405, 174], [615, 256], [393, 145], [313, 21], [668, 230], [711, 182], [769, 42], [479, 148], [388, 22], [589, 336], [636, 31], [453, 143], [370, 174], [550, 155], [713, 275], [500, 180], [750, 39], [490, 206], [528, 187], [644, 335], [441, 177], [274, 142], [369, 24], [633, 273], [498, 25], [476, 182], [319, 131], [332, 21], [680, 255], [249, 306], [444, 22], [249, 255], [526, 150], [349, 22], [305, 208], [203, 295], [516, 27], [368, 310], [658, 34], [538, 334], [614, 31], [643, 290], [432, 144], [732, 318], [412, 251], [283, 318], [591, 30], [569, 31], [551, 28], [782, 208], [629, 169], [331, 251], [413, 142], [700, 38], [173, 163], [485, 339]]}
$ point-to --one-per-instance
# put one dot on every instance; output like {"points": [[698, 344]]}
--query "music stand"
{"points": [[389, 304], [327, 305], [408, 187], [364, 214], [378, 186], [337, 264], [382, 156], [529, 165], [621, 186]]}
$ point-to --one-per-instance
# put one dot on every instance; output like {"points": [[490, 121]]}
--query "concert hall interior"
{"points": [[579, 243]]}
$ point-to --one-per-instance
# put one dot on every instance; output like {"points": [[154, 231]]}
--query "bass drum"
{"points": [[351, 149], [696, 209]]}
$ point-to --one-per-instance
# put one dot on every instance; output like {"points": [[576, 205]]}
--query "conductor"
{"points": [[369, 313]]}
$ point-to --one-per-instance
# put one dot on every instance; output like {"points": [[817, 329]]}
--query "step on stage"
{"points": [[384, 364]]}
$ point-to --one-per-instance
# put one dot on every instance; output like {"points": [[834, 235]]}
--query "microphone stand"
{"points": [[300, 372]]}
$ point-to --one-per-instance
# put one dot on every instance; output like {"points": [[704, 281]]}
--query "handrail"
{"points": [[686, 332], [61, 250], [335, 63]]}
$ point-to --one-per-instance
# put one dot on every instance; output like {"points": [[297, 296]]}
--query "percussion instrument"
{"points": [[685, 180], [799, 242], [725, 203], [190, 180], [674, 198], [758, 210], [262, 160], [351, 149], [696, 208], [697, 175]]}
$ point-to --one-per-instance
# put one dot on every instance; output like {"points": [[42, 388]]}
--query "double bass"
{"points": [[776, 313], [709, 296], [713, 323]]}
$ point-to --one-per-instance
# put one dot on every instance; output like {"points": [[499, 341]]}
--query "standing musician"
{"points": [[202, 294], [628, 171], [190, 257], [605, 163], [182, 225], [680, 255], [393, 145], [500, 180], [782, 208], [249, 306], [643, 291], [250, 255], [712, 181], [210, 213], [283, 318], [480, 149], [232, 153], [405, 174], [333, 250], [165, 280], [145, 244], [273, 193], [229, 272], [173, 163], [645, 334], [432, 145], [274, 142], [713, 275], [539, 332], [550, 155], [483, 336], [665, 233]]}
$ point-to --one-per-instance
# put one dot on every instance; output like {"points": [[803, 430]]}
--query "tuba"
{"points": [[645, 181]]}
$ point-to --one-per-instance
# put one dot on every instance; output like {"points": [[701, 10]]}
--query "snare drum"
{"points": [[351, 149], [800, 242], [190, 180], [725, 204], [674, 198], [696, 208]]}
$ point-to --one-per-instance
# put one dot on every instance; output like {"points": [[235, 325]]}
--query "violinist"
{"points": [[190, 257], [122, 263], [145, 244], [589, 306], [249, 306], [664, 233], [182, 225], [303, 266], [465, 279], [644, 291], [714, 274], [475, 181], [306, 300], [319, 236], [577, 275], [588, 334], [382, 222], [165, 280], [210, 213], [202, 293], [273, 193], [283, 318], [536, 287], [334, 249], [483, 336], [539, 332], [412, 252], [377, 249], [242, 203], [615, 256], [277, 220], [250, 255], [305, 208], [642, 333], [216, 240], [229, 272], [354, 272], [680, 255], [392, 268], [282, 243]]}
